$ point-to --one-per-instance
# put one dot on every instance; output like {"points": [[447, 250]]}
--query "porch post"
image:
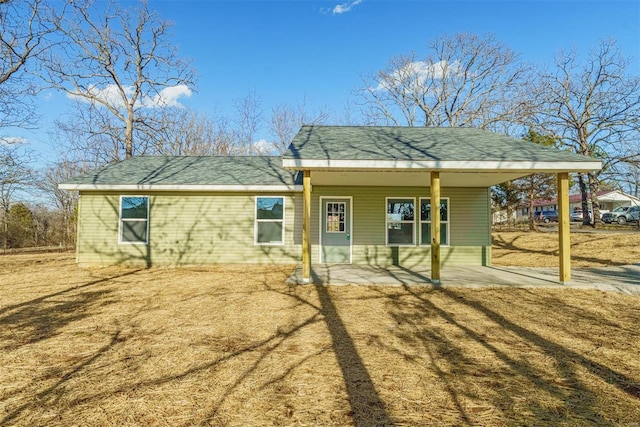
{"points": [[435, 227], [564, 227], [306, 226]]}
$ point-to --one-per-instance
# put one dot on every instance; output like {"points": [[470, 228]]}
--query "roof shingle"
{"points": [[191, 170], [417, 143]]}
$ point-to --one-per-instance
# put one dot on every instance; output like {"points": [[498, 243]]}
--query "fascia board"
{"points": [[445, 165], [180, 187]]}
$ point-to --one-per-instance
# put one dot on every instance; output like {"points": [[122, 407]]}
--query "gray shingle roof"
{"points": [[417, 143], [346, 147], [191, 170]]}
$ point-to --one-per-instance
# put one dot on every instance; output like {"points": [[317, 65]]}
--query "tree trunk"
{"points": [[532, 224], [5, 233], [128, 136], [586, 217], [594, 188]]}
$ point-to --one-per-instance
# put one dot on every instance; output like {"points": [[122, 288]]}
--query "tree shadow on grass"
{"points": [[367, 408], [451, 359], [557, 351], [514, 246], [41, 318], [57, 389]]}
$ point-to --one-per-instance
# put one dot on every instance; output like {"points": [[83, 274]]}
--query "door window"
{"points": [[335, 222]]}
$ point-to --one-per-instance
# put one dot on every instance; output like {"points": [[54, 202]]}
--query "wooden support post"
{"points": [[306, 227], [564, 227], [435, 227]]}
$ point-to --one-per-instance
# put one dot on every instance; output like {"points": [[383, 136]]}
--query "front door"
{"points": [[336, 231]]}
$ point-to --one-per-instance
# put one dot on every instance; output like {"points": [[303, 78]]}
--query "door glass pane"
{"points": [[335, 222]]}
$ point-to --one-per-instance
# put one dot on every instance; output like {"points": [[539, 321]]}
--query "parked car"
{"points": [[621, 215], [546, 216], [577, 216]]}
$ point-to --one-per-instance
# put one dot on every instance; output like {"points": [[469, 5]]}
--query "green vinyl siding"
{"points": [[210, 228], [470, 233], [186, 229]]}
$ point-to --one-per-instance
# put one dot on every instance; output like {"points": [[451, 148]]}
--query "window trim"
{"points": [[256, 221], [121, 220], [448, 222], [386, 222]]}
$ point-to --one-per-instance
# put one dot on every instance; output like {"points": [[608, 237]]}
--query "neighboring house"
{"points": [[358, 195], [609, 200]]}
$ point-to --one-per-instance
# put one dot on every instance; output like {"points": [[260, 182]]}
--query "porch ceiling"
{"points": [[410, 179]]}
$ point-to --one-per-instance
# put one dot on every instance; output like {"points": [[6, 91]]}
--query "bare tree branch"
{"points": [[15, 175], [24, 27], [593, 106], [119, 64], [464, 80], [286, 121]]}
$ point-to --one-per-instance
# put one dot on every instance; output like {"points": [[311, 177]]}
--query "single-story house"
{"points": [[340, 194], [608, 199]]}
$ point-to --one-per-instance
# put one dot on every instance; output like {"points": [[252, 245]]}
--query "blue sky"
{"points": [[285, 51]]}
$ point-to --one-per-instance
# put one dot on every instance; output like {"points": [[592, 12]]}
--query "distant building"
{"points": [[609, 200]]}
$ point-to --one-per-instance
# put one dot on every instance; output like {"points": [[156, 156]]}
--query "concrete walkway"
{"points": [[624, 279]]}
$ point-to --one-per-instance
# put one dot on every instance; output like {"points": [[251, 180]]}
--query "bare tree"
{"points": [[247, 124], [506, 197], [24, 26], [65, 201], [592, 105], [628, 177], [464, 80], [91, 135], [538, 185], [120, 67], [286, 121], [15, 176], [198, 134]]}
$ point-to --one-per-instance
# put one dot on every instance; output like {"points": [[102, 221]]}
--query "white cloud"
{"points": [[168, 97], [262, 146], [345, 7], [12, 140], [419, 72]]}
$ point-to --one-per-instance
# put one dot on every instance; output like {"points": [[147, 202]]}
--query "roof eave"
{"points": [[444, 165], [181, 187]]}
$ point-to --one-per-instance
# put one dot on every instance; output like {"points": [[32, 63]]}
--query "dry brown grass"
{"points": [[236, 346], [597, 249]]}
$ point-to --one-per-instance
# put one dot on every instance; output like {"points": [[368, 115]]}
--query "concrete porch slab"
{"points": [[619, 278]]}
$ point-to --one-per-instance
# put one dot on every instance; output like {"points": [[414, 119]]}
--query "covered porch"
{"points": [[431, 158]]}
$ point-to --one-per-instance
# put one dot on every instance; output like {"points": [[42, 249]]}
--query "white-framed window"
{"points": [[269, 226], [400, 221], [425, 221], [134, 220], [336, 219]]}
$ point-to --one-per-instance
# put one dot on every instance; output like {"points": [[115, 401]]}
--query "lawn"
{"points": [[588, 249], [236, 346]]}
